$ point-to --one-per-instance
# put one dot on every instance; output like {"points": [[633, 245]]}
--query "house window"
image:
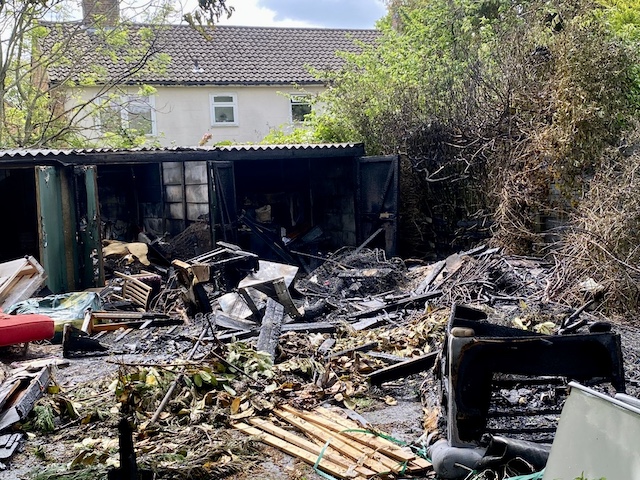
{"points": [[224, 109], [132, 112], [300, 107], [140, 114]]}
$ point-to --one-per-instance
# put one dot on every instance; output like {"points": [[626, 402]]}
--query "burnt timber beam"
{"points": [[401, 370], [26, 399], [395, 305], [271, 328]]}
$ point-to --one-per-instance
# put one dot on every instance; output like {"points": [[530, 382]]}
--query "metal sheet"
{"points": [[222, 198], [597, 437], [377, 200], [90, 239], [270, 271], [56, 224]]}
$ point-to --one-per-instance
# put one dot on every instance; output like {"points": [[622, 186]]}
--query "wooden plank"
{"points": [[401, 370], [127, 315], [37, 365], [19, 279], [21, 400], [8, 389], [418, 465], [109, 327], [99, 335], [161, 322], [373, 322], [33, 392], [415, 464], [237, 335], [8, 444], [9, 271], [309, 446], [271, 328], [366, 456], [123, 334], [398, 304], [8, 418], [324, 464], [87, 323], [387, 357], [234, 323], [311, 327], [340, 424], [436, 268]]}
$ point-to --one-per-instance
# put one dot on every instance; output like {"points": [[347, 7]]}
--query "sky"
{"points": [[306, 13], [268, 13]]}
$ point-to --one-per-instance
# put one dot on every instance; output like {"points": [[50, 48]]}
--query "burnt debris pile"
{"points": [[365, 367]]}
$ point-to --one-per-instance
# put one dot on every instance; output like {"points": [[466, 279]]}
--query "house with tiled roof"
{"points": [[233, 84]]}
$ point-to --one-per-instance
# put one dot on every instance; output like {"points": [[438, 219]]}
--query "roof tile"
{"points": [[233, 55]]}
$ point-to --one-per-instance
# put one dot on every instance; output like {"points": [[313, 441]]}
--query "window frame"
{"points": [[233, 104], [293, 100], [120, 105], [151, 101]]}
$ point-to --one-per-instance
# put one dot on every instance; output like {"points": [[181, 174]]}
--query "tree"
{"points": [[40, 109], [503, 109]]}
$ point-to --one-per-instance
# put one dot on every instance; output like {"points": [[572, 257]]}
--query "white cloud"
{"points": [[330, 13], [251, 13]]}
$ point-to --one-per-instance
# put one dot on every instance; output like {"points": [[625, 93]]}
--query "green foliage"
{"points": [[43, 418], [480, 92], [38, 112], [253, 363], [622, 17], [207, 13], [281, 136], [316, 128], [59, 472]]}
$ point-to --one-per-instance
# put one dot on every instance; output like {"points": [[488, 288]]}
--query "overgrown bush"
{"points": [[502, 110], [602, 243]]}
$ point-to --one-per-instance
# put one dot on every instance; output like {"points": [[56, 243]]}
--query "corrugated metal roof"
{"points": [[41, 152]]}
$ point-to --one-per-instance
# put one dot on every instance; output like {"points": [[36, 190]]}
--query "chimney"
{"points": [[105, 12], [394, 7]]}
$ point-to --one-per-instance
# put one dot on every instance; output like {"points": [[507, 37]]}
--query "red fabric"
{"points": [[16, 329]]}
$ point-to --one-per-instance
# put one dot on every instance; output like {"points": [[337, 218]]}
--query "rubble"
{"points": [[211, 356]]}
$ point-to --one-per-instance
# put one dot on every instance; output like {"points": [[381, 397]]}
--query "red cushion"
{"points": [[24, 328]]}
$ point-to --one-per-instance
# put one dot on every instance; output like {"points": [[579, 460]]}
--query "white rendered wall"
{"points": [[183, 114]]}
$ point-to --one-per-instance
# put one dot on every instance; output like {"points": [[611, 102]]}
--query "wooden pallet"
{"points": [[19, 279], [335, 445]]}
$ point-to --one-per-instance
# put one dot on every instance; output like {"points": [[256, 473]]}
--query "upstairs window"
{"points": [[140, 114], [224, 109], [300, 107], [130, 112]]}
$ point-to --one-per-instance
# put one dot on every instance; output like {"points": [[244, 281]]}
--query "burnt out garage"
{"points": [[286, 203]]}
